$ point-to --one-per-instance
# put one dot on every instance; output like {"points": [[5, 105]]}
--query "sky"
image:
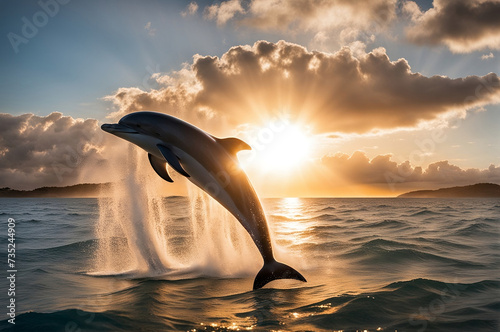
{"points": [[336, 98]]}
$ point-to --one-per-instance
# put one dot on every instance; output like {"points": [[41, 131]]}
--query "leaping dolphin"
{"points": [[211, 164]]}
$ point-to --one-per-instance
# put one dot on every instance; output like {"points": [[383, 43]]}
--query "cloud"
{"points": [[223, 12], [305, 15], [487, 56], [57, 150], [357, 175], [319, 15], [337, 92], [191, 9], [463, 25], [149, 29], [358, 168], [46, 150]]}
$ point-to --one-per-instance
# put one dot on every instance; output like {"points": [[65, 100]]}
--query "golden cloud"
{"points": [[337, 92], [358, 168], [304, 15]]}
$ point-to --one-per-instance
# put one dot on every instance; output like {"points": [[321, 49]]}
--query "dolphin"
{"points": [[211, 164]]}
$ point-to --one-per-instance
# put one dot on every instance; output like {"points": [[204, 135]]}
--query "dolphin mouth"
{"points": [[114, 128]]}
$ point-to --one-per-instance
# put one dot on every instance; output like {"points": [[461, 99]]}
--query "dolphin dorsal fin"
{"points": [[233, 145]]}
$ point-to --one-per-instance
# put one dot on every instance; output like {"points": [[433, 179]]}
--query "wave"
{"points": [[424, 212], [490, 220], [363, 239], [475, 229], [388, 223], [382, 206], [355, 220], [387, 244], [40, 271], [75, 319], [77, 249], [354, 210], [318, 230], [326, 217], [434, 306], [437, 243], [70, 248], [379, 251]]}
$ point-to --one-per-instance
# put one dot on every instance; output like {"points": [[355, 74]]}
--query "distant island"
{"points": [[78, 190], [97, 189], [475, 190]]}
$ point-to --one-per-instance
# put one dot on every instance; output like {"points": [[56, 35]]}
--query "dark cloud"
{"points": [[463, 25], [336, 92], [46, 150]]}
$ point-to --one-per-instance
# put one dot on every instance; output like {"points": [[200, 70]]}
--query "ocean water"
{"points": [[182, 264]]}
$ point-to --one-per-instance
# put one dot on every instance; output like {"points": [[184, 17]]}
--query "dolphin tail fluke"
{"points": [[273, 271]]}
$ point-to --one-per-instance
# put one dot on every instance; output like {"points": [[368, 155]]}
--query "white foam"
{"points": [[217, 245]]}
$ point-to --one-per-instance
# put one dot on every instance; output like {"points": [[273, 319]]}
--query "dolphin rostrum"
{"points": [[211, 164]]}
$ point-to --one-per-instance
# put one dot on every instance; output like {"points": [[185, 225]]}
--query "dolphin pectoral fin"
{"points": [[233, 145], [172, 159], [160, 167], [273, 271]]}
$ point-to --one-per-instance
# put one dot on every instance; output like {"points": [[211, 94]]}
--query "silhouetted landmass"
{"points": [[78, 190], [475, 190]]}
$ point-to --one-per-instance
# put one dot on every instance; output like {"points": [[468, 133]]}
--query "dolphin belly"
{"points": [[206, 181]]}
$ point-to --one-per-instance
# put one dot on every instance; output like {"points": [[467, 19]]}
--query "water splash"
{"points": [[138, 237]]}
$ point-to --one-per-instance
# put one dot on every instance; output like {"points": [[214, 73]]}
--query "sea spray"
{"points": [[138, 237], [128, 242], [221, 246]]}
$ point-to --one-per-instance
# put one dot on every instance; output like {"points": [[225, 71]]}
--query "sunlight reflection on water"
{"points": [[292, 226]]}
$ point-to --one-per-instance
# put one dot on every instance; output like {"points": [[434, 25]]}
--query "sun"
{"points": [[288, 149], [280, 149]]}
